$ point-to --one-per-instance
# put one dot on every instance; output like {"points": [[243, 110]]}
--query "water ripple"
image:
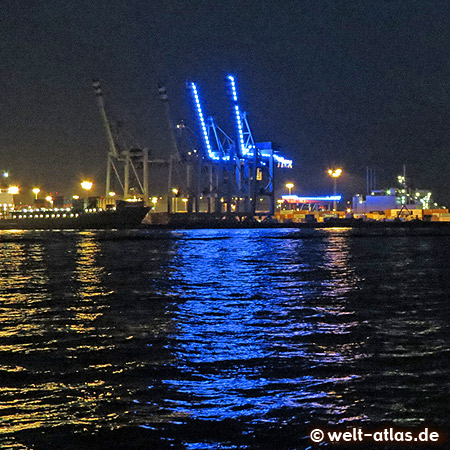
{"points": [[207, 338]]}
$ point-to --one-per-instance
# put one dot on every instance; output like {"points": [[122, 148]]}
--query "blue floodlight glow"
{"points": [[244, 150], [297, 199], [283, 162], [201, 118]]}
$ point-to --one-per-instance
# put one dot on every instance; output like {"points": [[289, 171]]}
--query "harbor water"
{"points": [[208, 339]]}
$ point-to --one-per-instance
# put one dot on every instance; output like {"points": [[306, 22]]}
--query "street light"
{"points": [[36, 192], [87, 186], [175, 192], [14, 190], [335, 174], [49, 198], [290, 186]]}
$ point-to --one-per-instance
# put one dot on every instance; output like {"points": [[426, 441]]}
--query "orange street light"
{"points": [[335, 174], [290, 186], [87, 185], [49, 198], [13, 190], [36, 192]]}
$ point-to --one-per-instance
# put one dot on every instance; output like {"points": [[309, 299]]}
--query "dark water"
{"points": [[209, 339]]}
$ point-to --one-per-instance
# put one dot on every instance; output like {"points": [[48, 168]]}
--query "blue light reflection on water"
{"points": [[255, 328], [251, 306]]}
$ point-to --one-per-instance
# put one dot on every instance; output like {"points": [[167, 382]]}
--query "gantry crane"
{"points": [[244, 170], [129, 165]]}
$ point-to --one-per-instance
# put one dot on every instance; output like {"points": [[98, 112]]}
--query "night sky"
{"points": [[354, 83]]}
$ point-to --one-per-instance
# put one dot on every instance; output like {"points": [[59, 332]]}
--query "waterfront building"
{"points": [[393, 198], [6, 202]]}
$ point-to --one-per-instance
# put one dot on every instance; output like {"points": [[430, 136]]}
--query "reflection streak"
{"points": [[253, 311]]}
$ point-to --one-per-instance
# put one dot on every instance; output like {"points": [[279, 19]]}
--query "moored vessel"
{"points": [[124, 216]]}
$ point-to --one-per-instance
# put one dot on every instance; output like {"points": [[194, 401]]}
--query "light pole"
{"points": [[87, 186], [290, 186], [36, 193], [175, 192], [49, 199], [335, 174]]}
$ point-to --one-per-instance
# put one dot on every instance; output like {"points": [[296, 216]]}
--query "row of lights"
{"points": [[334, 173], [87, 185]]}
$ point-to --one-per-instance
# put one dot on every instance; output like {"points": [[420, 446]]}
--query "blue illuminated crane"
{"points": [[217, 143], [247, 144], [201, 118], [216, 158], [257, 172], [245, 138], [243, 169]]}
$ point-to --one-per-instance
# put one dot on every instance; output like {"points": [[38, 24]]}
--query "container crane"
{"points": [[133, 162], [244, 169]]}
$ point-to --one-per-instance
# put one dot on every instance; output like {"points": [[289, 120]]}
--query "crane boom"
{"points": [[98, 92], [173, 142]]}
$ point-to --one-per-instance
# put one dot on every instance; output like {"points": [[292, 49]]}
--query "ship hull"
{"points": [[126, 218]]}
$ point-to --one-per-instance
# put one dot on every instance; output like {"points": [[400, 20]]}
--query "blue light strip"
{"points": [[201, 118], [242, 147], [246, 151]]}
